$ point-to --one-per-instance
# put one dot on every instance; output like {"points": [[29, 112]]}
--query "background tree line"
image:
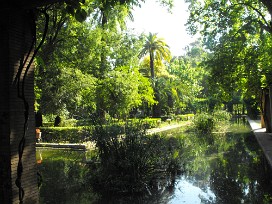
{"points": [[92, 64], [237, 36], [98, 66]]}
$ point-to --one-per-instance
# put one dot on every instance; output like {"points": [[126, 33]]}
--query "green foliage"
{"points": [[65, 134], [184, 117], [217, 121], [221, 120], [74, 131], [156, 49], [68, 123], [203, 122], [69, 77], [186, 84], [93, 66], [48, 124], [236, 35], [131, 162], [122, 91], [151, 122], [221, 115]]}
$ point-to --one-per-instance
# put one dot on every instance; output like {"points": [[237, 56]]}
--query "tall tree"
{"points": [[157, 49], [188, 84]]}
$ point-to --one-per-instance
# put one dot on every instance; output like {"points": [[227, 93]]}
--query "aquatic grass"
{"points": [[218, 121], [133, 162], [203, 122]]}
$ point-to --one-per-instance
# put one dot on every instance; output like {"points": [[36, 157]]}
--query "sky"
{"points": [[154, 18]]}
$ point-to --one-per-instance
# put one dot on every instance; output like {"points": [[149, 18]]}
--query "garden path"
{"points": [[168, 127], [264, 139]]}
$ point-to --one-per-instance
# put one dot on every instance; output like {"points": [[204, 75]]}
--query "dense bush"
{"points": [[221, 120], [221, 115], [82, 133], [68, 123], [151, 122], [48, 124], [63, 123], [217, 121], [65, 134], [203, 122], [131, 162]]}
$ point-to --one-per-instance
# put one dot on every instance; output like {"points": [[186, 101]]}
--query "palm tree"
{"points": [[157, 50]]}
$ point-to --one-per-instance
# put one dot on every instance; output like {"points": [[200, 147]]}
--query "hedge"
{"points": [[83, 133], [65, 134]]}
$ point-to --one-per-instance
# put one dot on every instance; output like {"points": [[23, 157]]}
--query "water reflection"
{"points": [[187, 192], [63, 177], [222, 168], [229, 171]]}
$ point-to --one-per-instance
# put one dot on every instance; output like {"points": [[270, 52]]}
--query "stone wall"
{"points": [[16, 36]]}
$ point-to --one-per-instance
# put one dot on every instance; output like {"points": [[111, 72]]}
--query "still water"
{"points": [[221, 168]]}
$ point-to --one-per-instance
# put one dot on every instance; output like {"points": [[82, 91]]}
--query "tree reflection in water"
{"points": [[222, 168]]}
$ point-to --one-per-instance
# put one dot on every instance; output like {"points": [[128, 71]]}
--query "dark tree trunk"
{"points": [[266, 107], [156, 109], [267, 111], [252, 108], [152, 71], [38, 119], [230, 107]]}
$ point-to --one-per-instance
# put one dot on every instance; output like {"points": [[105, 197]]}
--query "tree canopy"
{"points": [[237, 35], [111, 70], [157, 50]]}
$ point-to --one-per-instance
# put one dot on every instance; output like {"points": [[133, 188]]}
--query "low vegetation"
{"points": [[79, 131], [217, 121], [133, 162]]}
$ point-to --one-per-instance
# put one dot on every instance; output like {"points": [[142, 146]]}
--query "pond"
{"points": [[221, 168]]}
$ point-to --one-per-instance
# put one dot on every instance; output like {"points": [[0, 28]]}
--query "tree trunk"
{"points": [[267, 111], [156, 109], [152, 71]]}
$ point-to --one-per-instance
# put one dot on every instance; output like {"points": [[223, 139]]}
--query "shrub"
{"points": [[221, 115], [63, 123], [83, 133], [185, 117], [84, 122], [68, 123], [147, 122], [221, 119], [217, 121], [131, 162], [65, 134], [151, 122], [203, 122], [48, 124]]}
